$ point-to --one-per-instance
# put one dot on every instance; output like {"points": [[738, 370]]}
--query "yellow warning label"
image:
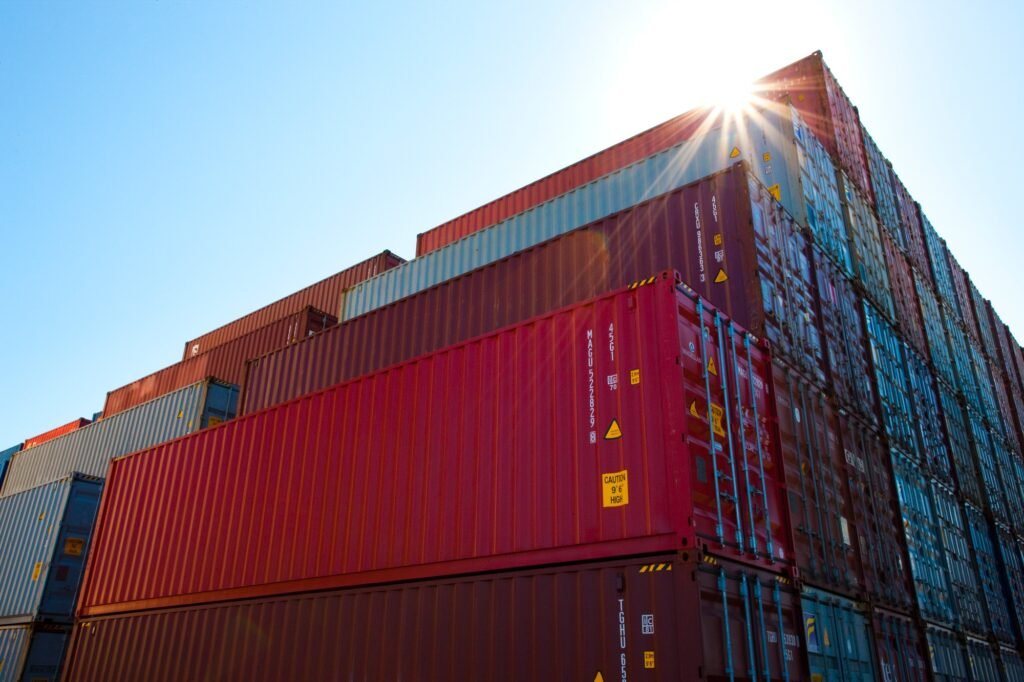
{"points": [[711, 366], [766, 156], [716, 417], [648, 659], [721, 276], [776, 192], [613, 432], [42, 515], [74, 546], [599, 677], [718, 239], [734, 153], [616, 488], [36, 570], [214, 421], [181, 413], [634, 376]]}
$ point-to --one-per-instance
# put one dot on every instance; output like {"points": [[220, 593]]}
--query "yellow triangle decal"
{"points": [[693, 409], [776, 192], [598, 677], [613, 432], [721, 276], [734, 153], [711, 366]]}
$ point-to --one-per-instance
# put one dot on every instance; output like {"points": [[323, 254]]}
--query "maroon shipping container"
{"points": [[760, 277], [904, 293], [1005, 345], [962, 286], [658, 617], [1011, 408], [54, 433], [821, 511], [326, 294], [579, 435], [913, 232], [665, 135], [844, 337], [815, 92], [225, 362], [899, 647], [887, 577]]}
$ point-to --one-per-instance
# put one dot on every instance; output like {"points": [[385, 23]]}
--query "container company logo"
{"points": [[700, 240]]}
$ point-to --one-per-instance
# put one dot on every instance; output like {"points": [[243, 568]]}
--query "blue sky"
{"points": [[166, 167]]}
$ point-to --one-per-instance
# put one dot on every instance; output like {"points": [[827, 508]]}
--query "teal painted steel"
{"points": [[984, 666], [988, 468], [773, 141], [89, 450], [924, 542], [14, 643], [881, 187], [5, 458], [989, 345], [986, 396], [957, 430], [1011, 567], [965, 591], [1011, 664], [44, 539], [866, 249], [32, 653], [931, 440], [934, 330], [963, 364], [891, 382], [941, 276], [837, 637], [987, 563], [947, 654]]}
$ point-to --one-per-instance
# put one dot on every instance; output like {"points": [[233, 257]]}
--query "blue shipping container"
{"points": [[1011, 664], [891, 382], [988, 467], [947, 655], [931, 441], [881, 187], [32, 653], [957, 430], [44, 539], [968, 600], [935, 330], [5, 458], [1012, 569], [983, 662], [962, 362], [941, 275], [986, 561], [771, 141], [89, 449], [838, 641], [866, 249]]}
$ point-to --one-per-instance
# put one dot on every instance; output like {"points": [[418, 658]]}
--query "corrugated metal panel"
{"points": [[654, 618], [1012, 570], [881, 189], [931, 439], [5, 458], [844, 337], [947, 655], [962, 361], [90, 449], [866, 249], [1012, 665], [837, 638], [908, 312], [910, 218], [942, 278], [225, 362], [924, 541], [986, 398], [395, 484], [765, 140], [899, 647], [891, 382], [327, 294], [988, 337], [962, 287], [982, 659], [988, 468], [53, 433], [1006, 355], [44, 537], [824, 532], [725, 235], [965, 592], [986, 561], [957, 430], [935, 330], [32, 653], [1011, 410], [879, 527]]}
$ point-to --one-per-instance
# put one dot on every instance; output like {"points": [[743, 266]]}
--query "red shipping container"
{"points": [[659, 617], [327, 294], [578, 435], [1011, 408], [815, 92], [887, 576], [821, 511], [765, 286], [225, 362], [1004, 347], [54, 433], [913, 232], [962, 287], [908, 312], [899, 647]]}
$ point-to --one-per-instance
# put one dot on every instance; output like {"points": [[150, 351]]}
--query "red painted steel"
{"points": [[54, 433], [962, 286], [913, 232], [900, 651], [662, 136], [1011, 408], [816, 93], [908, 311], [825, 534], [1006, 347], [767, 287], [652, 618], [327, 294], [225, 362], [886, 569], [576, 435]]}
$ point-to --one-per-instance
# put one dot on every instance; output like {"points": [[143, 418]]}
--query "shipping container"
{"points": [[988, 467], [904, 293], [621, 387], [923, 534], [947, 654], [32, 653], [1011, 567], [836, 637], [986, 398], [887, 576], [44, 538], [882, 191], [1011, 664], [999, 616], [981, 658], [963, 363], [53, 433], [658, 617], [844, 338], [827, 109], [1005, 344], [821, 511], [866, 250], [987, 337], [725, 235], [957, 429], [899, 647], [931, 439], [890, 374], [225, 362], [5, 458], [965, 590], [935, 330], [962, 288], [327, 294], [769, 140], [1011, 409], [938, 265], [90, 449], [910, 218]]}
